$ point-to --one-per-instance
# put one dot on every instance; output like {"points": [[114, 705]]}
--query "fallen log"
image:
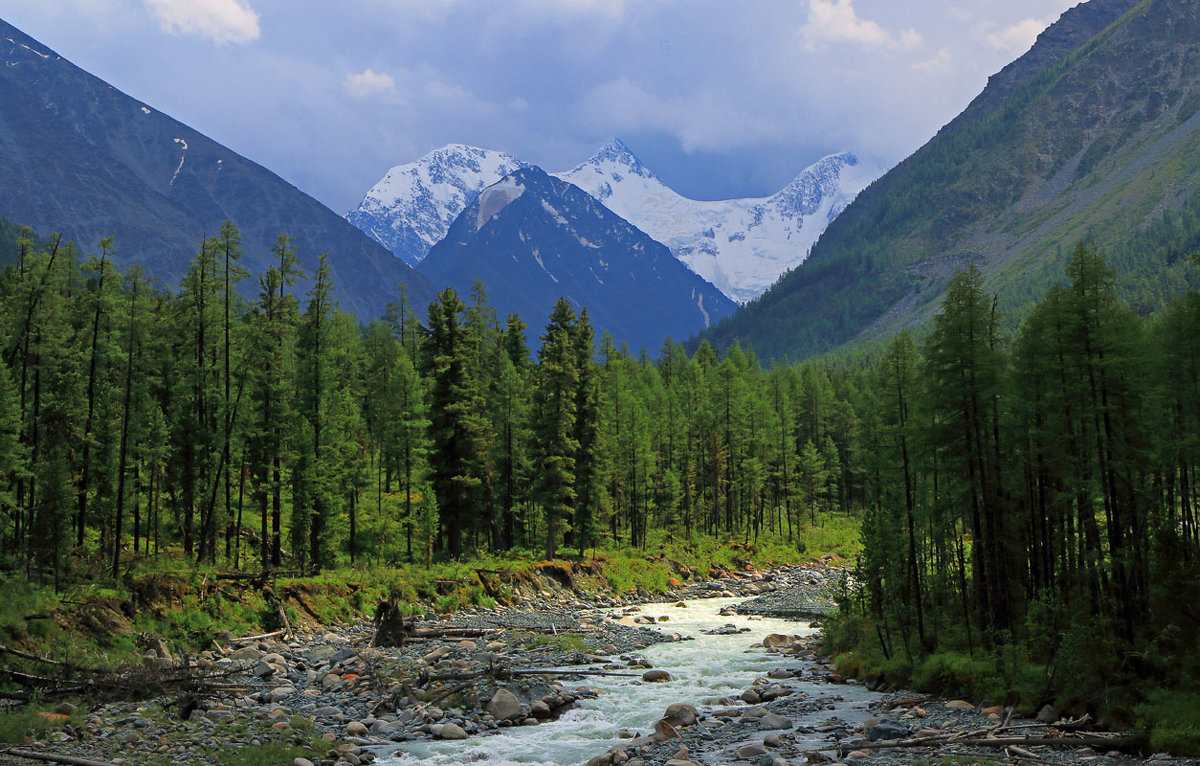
{"points": [[36, 658], [1112, 741], [69, 760], [259, 637], [502, 673]]}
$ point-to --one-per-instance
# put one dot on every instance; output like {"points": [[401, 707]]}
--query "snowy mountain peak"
{"points": [[412, 206], [741, 245]]}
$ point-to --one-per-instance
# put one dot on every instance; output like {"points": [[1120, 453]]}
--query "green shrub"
{"points": [[28, 722], [1171, 721]]}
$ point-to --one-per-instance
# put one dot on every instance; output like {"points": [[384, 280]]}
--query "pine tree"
{"points": [[554, 427]]}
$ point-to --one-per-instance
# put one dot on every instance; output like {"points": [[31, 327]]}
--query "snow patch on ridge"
{"points": [[182, 158], [495, 198]]}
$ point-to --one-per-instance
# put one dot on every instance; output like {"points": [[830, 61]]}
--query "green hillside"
{"points": [[1094, 134]]}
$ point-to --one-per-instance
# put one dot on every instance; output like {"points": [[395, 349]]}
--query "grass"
{"points": [[31, 722], [270, 754], [1170, 720]]}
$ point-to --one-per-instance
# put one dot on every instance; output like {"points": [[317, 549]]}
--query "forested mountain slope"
{"points": [[80, 157], [1094, 133]]}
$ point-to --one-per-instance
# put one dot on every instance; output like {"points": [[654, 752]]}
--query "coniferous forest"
{"points": [[1028, 502]]}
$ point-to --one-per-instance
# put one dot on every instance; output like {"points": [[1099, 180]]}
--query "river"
{"points": [[703, 669]]}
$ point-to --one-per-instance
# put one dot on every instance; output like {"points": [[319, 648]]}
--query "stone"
{"points": [[776, 721], [467, 644], [656, 676], [857, 754], [504, 705], [887, 729], [494, 646], [681, 714], [452, 731], [751, 697], [992, 710], [781, 673], [436, 654], [751, 751], [539, 709], [772, 740], [960, 705], [246, 654], [301, 762], [1047, 714], [777, 641], [356, 729]]}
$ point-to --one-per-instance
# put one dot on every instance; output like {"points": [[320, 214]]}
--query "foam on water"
{"points": [[702, 669]]}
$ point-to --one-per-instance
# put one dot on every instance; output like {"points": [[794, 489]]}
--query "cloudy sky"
{"points": [[720, 98]]}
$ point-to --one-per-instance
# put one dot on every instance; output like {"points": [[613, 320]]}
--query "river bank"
{"points": [[329, 697]]}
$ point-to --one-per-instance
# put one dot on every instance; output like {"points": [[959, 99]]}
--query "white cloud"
{"points": [[222, 21], [939, 63], [370, 84], [836, 21], [700, 122], [1019, 37]]}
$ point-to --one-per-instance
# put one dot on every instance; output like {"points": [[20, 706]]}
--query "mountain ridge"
{"points": [[1095, 143], [83, 158], [532, 238], [740, 245]]}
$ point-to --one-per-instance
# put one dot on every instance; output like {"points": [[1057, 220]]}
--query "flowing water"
{"points": [[702, 669]]}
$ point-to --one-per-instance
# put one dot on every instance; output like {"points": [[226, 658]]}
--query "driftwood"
{"points": [[259, 637], [500, 672], [26, 655], [34, 755], [1095, 740]]}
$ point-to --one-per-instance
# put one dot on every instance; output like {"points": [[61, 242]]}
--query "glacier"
{"points": [[741, 246]]}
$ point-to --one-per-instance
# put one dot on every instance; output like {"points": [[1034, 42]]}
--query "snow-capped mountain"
{"points": [[740, 245], [413, 205], [532, 238]]}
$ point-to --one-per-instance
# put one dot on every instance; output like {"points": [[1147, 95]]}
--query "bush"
{"points": [[1170, 719]]}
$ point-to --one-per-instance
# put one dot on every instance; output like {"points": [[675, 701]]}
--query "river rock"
{"points": [[452, 731], [245, 654], [436, 654], [1047, 715], [301, 762], [887, 729], [776, 721], [539, 709], [748, 752], [504, 705], [959, 705], [656, 676], [681, 714], [356, 729], [777, 641]]}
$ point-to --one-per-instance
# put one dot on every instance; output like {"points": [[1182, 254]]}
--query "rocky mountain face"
{"points": [[80, 157], [413, 205], [532, 238], [1091, 134], [740, 245]]}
